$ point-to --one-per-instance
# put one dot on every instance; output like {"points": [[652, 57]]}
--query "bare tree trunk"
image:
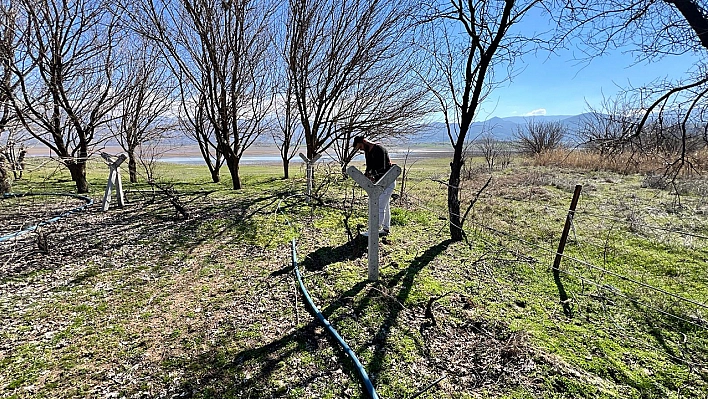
{"points": [[232, 164], [693, 14], [453, 195], [215, 176], [78, 175], [286, 169], [132, 166]]}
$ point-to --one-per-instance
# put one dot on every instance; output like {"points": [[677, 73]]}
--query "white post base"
{"points": [[114, 179], [310, 163]]}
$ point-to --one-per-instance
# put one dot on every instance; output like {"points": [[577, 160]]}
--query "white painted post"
{"points": [[374, 190], [114, 179], [310, 172]]}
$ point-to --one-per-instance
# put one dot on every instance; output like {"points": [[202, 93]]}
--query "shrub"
{"points": [[539, 137]]}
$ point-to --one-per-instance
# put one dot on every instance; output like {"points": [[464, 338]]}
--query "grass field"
{"points": [[141, 302]]}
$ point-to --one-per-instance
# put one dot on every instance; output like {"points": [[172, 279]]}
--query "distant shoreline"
{"points": [[268, 154]]}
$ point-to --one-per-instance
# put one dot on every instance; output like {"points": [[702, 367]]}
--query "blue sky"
{"points": [[561, 85]]}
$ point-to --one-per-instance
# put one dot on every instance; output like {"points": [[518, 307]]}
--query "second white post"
{"points": [[310, 163]]}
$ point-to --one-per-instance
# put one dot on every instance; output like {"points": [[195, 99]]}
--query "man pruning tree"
{"points": [[377, 164]]}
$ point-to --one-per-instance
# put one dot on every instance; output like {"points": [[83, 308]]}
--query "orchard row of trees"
{"points": [[80, 71], [306, 72]]}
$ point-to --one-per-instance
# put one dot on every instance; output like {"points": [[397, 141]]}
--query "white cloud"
{"points": [[537, 112]]}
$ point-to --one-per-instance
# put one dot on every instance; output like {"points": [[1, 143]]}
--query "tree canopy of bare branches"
{"points": [[651, 29], [67, 75], [220, 54], [144, 115], [350, 64]]}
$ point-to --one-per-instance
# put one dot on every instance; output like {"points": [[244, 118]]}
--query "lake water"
{"points": [[275, 159], [260, 154]]}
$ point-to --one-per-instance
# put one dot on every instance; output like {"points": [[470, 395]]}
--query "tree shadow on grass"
{"points": [[221, 374], [686, 357], [325, 256], [405, 278]]}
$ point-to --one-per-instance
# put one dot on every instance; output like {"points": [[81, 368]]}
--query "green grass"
{"points": [[207, 307]]}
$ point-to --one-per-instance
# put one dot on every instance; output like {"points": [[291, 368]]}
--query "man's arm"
{"points": [[369, 164]]}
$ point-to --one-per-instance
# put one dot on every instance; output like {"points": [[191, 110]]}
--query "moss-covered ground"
{"points": [[143, 302]]}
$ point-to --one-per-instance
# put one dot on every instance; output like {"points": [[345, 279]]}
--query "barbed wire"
{"points": [[654, 349], [667, 229], [616, 291], [588, 264]]}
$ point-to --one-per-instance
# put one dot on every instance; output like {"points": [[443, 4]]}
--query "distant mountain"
{"points": [[499, 128], [502, 129]]}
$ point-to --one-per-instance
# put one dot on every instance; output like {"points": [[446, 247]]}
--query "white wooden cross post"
{"points": [[374, 190], [310, 168], [113, 179]]}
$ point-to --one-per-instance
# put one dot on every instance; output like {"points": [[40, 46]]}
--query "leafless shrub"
{"points": [[629, 212], [471, 170], [538, 137], [693, 186], [624, 163], [405, 173], [496, 153], [658, 182], [149, 153]]}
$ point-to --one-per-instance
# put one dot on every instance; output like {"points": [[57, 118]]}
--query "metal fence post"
{"points": [[561, 248]]}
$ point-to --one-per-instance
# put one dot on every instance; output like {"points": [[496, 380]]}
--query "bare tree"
{"points": [[67, 76], [195, 122], [144, 115], [537, 137], [472, 49], [606, 129], [288, 136], [11, 143], [351, 68], [8, 86], [220, 53]]}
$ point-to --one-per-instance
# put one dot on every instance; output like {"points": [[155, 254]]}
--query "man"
{"points": [[377, 164]]}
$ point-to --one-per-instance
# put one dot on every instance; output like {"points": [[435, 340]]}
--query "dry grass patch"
{"points": [[625, 163]]}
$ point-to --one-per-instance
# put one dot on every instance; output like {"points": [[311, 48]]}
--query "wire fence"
{"points": [[598, 270]]}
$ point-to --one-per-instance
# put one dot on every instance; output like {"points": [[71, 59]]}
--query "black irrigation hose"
{"points": [[368, 386], [89, 202]]}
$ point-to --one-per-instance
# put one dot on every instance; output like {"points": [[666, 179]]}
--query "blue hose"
{"points": [[368, 386], [89, 201]]}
